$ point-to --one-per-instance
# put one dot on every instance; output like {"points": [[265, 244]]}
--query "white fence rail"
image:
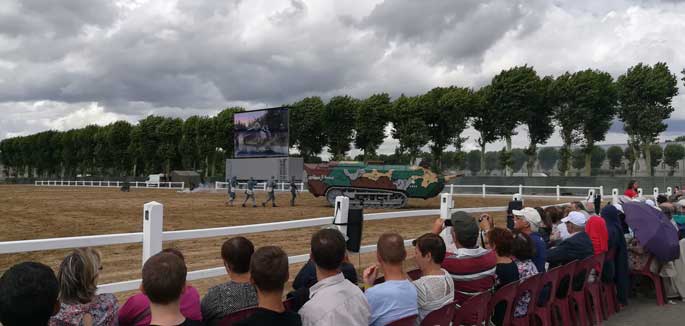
{"points": [[260, 186], [110, 184], [483, 190], [153, 236]]}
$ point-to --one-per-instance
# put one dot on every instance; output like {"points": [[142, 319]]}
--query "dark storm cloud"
{"points": [[453, 30]]}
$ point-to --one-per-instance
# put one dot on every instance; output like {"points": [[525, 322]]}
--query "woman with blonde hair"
{"points": [[80, 304]]}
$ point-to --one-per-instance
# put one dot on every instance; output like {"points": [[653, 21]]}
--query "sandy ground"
{"points": [[29, 212]]}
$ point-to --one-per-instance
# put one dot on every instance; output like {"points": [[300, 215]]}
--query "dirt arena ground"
{"points": [[29, 212]]}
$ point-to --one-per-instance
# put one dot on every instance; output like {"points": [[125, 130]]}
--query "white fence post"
{"points": [[655, 193], [451, 189], [341, 213], [483, 190], [669, 191], [558, 193], [446, 205], [591, 195], [639, 192], [521, 190], [601, 192], [614, 196], [153, 222]]}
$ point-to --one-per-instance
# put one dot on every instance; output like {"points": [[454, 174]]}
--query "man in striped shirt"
{"points": [[472, 268]]}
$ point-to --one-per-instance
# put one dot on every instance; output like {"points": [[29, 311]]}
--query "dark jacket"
{"points": [[617, 269], [577, 247]]}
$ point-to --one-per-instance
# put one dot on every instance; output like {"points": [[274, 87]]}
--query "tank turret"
{"points": [[372, 185]]}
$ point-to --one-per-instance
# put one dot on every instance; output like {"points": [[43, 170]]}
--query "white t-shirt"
{"points": [[433, 292]]}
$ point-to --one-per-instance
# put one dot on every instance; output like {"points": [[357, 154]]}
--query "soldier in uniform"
{"points": [[270, 192], [293, 191], [232, 185], [249, 192]]}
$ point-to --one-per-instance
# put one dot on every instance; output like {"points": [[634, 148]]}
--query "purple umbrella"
{"points": [[654, 231]]}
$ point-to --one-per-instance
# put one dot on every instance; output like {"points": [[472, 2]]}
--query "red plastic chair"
{"points": [[406, 321], [563, 293], [530, 285], [507, 295], [440, 317], [237, 316], [655, 278], [593, 290], [473, 311], [544, 312], [578, 298], [414, 274], [609, 300]]}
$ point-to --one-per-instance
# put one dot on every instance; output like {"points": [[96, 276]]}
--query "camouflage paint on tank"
{"points": [[414, 181]]}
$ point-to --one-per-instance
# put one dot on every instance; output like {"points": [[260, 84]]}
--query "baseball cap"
{"points": [[576, 218], [531, 215], [465, 227]]}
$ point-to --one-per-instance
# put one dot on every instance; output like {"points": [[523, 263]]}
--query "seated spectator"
{"points": [[554, 215], [523, 250], [528, 221], [577, 247], [136, 310], [500, 241], [616, 265], [78, 277], [236, 294], [269, 272], [164, 280], [396, 298], [334, 300], [435, 288], [545, 226], [472, 268], [596, 229], [306, 277], [28, 295], [631, 190]]}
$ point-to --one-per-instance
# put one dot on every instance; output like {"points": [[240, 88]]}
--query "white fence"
{"points": [[483, 188], [153, 236], [110, 184], [260, 186]]}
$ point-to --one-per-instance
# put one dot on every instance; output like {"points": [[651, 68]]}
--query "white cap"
{"points": [[531, 215], [576, 218]]}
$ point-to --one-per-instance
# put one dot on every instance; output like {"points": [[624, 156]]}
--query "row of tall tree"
{"points": [[582, 105]]}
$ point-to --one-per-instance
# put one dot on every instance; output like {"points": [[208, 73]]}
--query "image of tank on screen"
{"points": [[261, 133]]}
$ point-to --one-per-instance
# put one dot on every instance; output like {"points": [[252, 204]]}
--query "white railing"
{"points": [[484, 187], [260, 186], [110, 184], [153, 236]]}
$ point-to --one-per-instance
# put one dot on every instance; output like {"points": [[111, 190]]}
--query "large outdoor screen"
{"points": [[261, 133]]}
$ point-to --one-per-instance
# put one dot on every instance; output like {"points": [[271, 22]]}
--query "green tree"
{"points": [[679, 139], [118, 140], [594, 99], [597, 157], [538, 118], [567, 117], [548, 157], [408, 126], [371, 119], [135, 150], [169, 132], [491, 161], [629, 153], [339, 122], [224, 130], [149, 144], [655, 155], [484, 119], [206, 138], [473, 161], [615, 156], [518, 159], [578, 159], [189, 147], [445, 115], [672, 154], [515, 93], [645, 94], [306, 127]]}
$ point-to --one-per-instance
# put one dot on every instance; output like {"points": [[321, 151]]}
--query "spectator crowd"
{"points": [[458, 259]]}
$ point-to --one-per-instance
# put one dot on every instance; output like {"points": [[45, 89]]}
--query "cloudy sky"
{"points": [[65, 64]]}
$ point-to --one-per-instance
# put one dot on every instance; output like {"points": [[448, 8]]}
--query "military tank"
{"points": [[372, 185]]}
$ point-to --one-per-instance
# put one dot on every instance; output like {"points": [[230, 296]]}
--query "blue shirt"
{"points": [[390, 301], [540, 251]]}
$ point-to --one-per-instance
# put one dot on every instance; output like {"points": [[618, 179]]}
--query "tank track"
{"points": [[368, 198]]}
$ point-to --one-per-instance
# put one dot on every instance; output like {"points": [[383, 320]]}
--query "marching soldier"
{"points": [[249, 192], [270, 192], [232, 185], [293, 191]]}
